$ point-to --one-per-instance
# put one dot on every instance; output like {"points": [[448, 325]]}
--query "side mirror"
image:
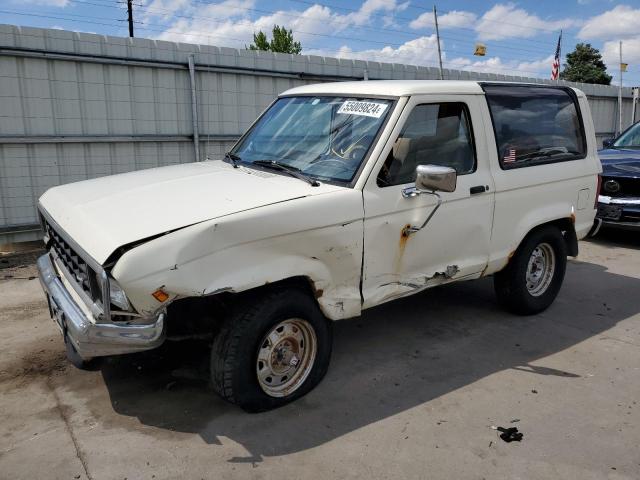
{"points": [[607, 143], [435, 178], [430, 179]]}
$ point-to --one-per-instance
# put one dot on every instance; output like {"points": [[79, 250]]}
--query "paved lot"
{"points": [[413, 389]]}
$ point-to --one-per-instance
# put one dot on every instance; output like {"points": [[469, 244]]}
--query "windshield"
{"points": [[630, 138], [323, 137]]}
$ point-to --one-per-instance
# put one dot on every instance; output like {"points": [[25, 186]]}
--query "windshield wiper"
{"points": [[283, 167], [234, 158]]}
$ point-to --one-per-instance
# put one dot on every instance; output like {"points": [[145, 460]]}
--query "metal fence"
{"points": [[77, 105]]}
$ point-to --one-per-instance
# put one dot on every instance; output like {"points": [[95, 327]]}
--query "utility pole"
{"points": [[435, 18], [130, 16], [620, 94], [634, 102]]}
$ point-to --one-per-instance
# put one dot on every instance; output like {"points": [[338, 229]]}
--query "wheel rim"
{"points": [[540, 270], [286, 356]]}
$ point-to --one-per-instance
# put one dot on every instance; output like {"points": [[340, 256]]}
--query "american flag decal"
{"points": [[510, 157], [555, 66]]}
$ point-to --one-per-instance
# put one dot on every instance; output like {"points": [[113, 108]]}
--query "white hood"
{"points": [[106, 213]]}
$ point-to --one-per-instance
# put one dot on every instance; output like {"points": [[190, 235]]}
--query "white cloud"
{"points": [[369, 7], [164, 8], [535, 68], [630, 53], [419, 51], [623, 21], [452, 19], [507, 21], [228, 22], [423, 51]]}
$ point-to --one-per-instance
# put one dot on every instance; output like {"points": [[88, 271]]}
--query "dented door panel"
{"points": [[455, 243]]}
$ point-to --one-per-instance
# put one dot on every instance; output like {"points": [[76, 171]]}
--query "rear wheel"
{"points": [[272, 352], [532, 279]]}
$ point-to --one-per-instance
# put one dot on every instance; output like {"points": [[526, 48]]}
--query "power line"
{"points": [[250, 22], [339, 53], [209, 35], [271, 12], [428, 10]]}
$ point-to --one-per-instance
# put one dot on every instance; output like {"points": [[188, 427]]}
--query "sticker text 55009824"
{"points": [[368, 109]]}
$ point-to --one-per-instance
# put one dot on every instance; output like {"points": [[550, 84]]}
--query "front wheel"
{"points": [[272, 352], [532, 279]]}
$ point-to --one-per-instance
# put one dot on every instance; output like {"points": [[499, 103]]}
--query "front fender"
{"points": [[319, 237]]}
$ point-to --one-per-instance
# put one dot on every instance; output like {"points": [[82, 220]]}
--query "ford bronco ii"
{"points": [[339, 197]]}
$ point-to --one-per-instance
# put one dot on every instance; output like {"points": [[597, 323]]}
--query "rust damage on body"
{"points": [[402, 244]]}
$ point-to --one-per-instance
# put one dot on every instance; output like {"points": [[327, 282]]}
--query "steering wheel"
{"points": [[353, 152]]}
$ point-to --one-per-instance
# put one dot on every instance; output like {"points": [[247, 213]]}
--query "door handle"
{"points": [[479, 189]]}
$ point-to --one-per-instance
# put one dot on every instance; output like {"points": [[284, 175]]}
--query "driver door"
{"points": [[446, 130]]}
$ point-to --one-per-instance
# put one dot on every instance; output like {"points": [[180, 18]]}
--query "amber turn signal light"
{"points": [[160, 295]]}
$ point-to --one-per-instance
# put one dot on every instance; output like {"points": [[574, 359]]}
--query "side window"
{"points": [[535, 125], [436, 134]]}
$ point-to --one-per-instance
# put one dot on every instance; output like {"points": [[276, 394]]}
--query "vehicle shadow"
{"points": [[613, 238], [395, 357]]}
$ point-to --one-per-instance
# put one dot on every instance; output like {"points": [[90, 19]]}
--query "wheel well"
{"points": [[566, 226], [202, 316]]}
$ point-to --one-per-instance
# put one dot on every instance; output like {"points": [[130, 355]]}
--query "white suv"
{"points": [[339, 197]]}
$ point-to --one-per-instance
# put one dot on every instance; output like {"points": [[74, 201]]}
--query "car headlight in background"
{"points": [[612, 186], [118, 297]]}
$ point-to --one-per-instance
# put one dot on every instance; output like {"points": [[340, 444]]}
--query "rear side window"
{"points": [[535, 125]]}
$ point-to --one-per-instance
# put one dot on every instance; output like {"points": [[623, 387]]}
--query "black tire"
{"points": [[234, 353], [510, 284]]}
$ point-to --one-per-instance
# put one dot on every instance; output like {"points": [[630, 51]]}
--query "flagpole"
{"points": [[620, 94], [435, 18], [559, 54]]}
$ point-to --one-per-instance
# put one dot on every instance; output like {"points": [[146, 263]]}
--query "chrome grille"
{"points": [[82, 273]]}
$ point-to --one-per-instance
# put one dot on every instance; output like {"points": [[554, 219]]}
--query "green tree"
{"points": [[585, 65], [282, 41]]}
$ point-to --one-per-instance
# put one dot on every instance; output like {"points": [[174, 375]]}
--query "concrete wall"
{"points": [[76, 106]]}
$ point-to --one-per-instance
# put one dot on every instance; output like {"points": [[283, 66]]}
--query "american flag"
{"points": [[555, 66], [510, 157]]}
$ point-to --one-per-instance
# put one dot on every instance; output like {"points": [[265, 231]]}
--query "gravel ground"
{"points": [[413, 390]]}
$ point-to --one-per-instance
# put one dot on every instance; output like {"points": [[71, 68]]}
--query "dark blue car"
{"points": [[619, 201]]}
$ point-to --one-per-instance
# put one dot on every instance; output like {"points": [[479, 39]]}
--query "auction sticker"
{"points": [[367, 109]]}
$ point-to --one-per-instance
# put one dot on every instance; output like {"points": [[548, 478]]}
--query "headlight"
{"points": [[118, 296]]}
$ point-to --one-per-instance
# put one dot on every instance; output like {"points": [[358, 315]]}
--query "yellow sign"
{"points": [[481, 50], [623, 67]]}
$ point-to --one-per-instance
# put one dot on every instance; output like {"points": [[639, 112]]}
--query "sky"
{"points": [[520, 37]]}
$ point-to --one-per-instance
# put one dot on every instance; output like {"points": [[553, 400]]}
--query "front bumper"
{"points": [[94, 339], [628, 217]]}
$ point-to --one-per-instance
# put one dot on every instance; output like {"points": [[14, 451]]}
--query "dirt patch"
{"points": [[20, 313], [21, 259], [35, 363], [20, 265]]}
